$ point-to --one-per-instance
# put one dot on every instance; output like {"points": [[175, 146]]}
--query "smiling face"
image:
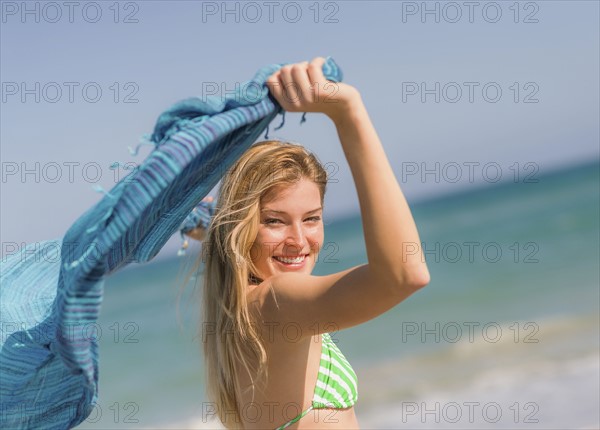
{"points": [[290, 232]]}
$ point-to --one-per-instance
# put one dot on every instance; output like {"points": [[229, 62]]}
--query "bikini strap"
{"points": [[289, 423]]}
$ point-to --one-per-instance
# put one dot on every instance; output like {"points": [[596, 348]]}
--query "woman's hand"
{"points": [[199, 233], [302, 87]]}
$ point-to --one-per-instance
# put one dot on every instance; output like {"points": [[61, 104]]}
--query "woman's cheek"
{"points": [[318, 237], [272, 237], [268, 242]]}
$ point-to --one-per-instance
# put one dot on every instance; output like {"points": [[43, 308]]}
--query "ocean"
{"points": [[506, 335]]}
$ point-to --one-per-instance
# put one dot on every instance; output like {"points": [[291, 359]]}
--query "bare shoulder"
{"points": [[318, 304]]}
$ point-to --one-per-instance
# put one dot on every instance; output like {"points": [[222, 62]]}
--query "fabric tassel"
{"points": [[282, 121], [99, 189], [144, 140]]}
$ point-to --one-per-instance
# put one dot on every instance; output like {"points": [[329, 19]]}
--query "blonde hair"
{"points": [[229, 268]]}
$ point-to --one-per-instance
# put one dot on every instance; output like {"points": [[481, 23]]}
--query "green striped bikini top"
{"points": [[336, 385]]}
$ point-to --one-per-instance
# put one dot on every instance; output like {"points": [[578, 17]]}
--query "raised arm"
{"points": [[391, 236], [396, 267]]}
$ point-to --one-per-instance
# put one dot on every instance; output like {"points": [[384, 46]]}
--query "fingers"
{"points": [[295, 85], [197, 234], [315, 71], [302, 79], [275, 86], [287, 84]]}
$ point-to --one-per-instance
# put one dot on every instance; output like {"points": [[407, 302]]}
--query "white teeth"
{"points": [[291, 260]]}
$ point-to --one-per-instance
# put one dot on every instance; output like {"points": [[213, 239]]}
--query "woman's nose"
{"points": [[296, 238]]}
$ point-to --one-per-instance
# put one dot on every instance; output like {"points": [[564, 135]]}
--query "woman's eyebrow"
{"points": [[285, 213]]}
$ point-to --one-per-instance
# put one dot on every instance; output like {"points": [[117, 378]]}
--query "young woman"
{"points": [[269, 358]]}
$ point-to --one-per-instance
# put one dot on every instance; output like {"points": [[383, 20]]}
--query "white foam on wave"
{"points": [[197, 423], [553, 395]]}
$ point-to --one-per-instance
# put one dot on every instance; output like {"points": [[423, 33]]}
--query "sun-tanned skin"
{"points": [[312, 305]]}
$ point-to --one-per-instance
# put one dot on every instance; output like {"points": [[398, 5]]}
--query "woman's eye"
{"points": [[271, 221], [274, 220]]}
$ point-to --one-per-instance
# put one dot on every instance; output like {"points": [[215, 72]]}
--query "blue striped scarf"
{"points": [[52, 291]]}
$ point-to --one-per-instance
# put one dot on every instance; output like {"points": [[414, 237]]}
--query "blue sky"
{"points": [[533, 105]]}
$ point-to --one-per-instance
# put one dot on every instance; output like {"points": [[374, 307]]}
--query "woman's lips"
{"points": [[293, 265]]}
